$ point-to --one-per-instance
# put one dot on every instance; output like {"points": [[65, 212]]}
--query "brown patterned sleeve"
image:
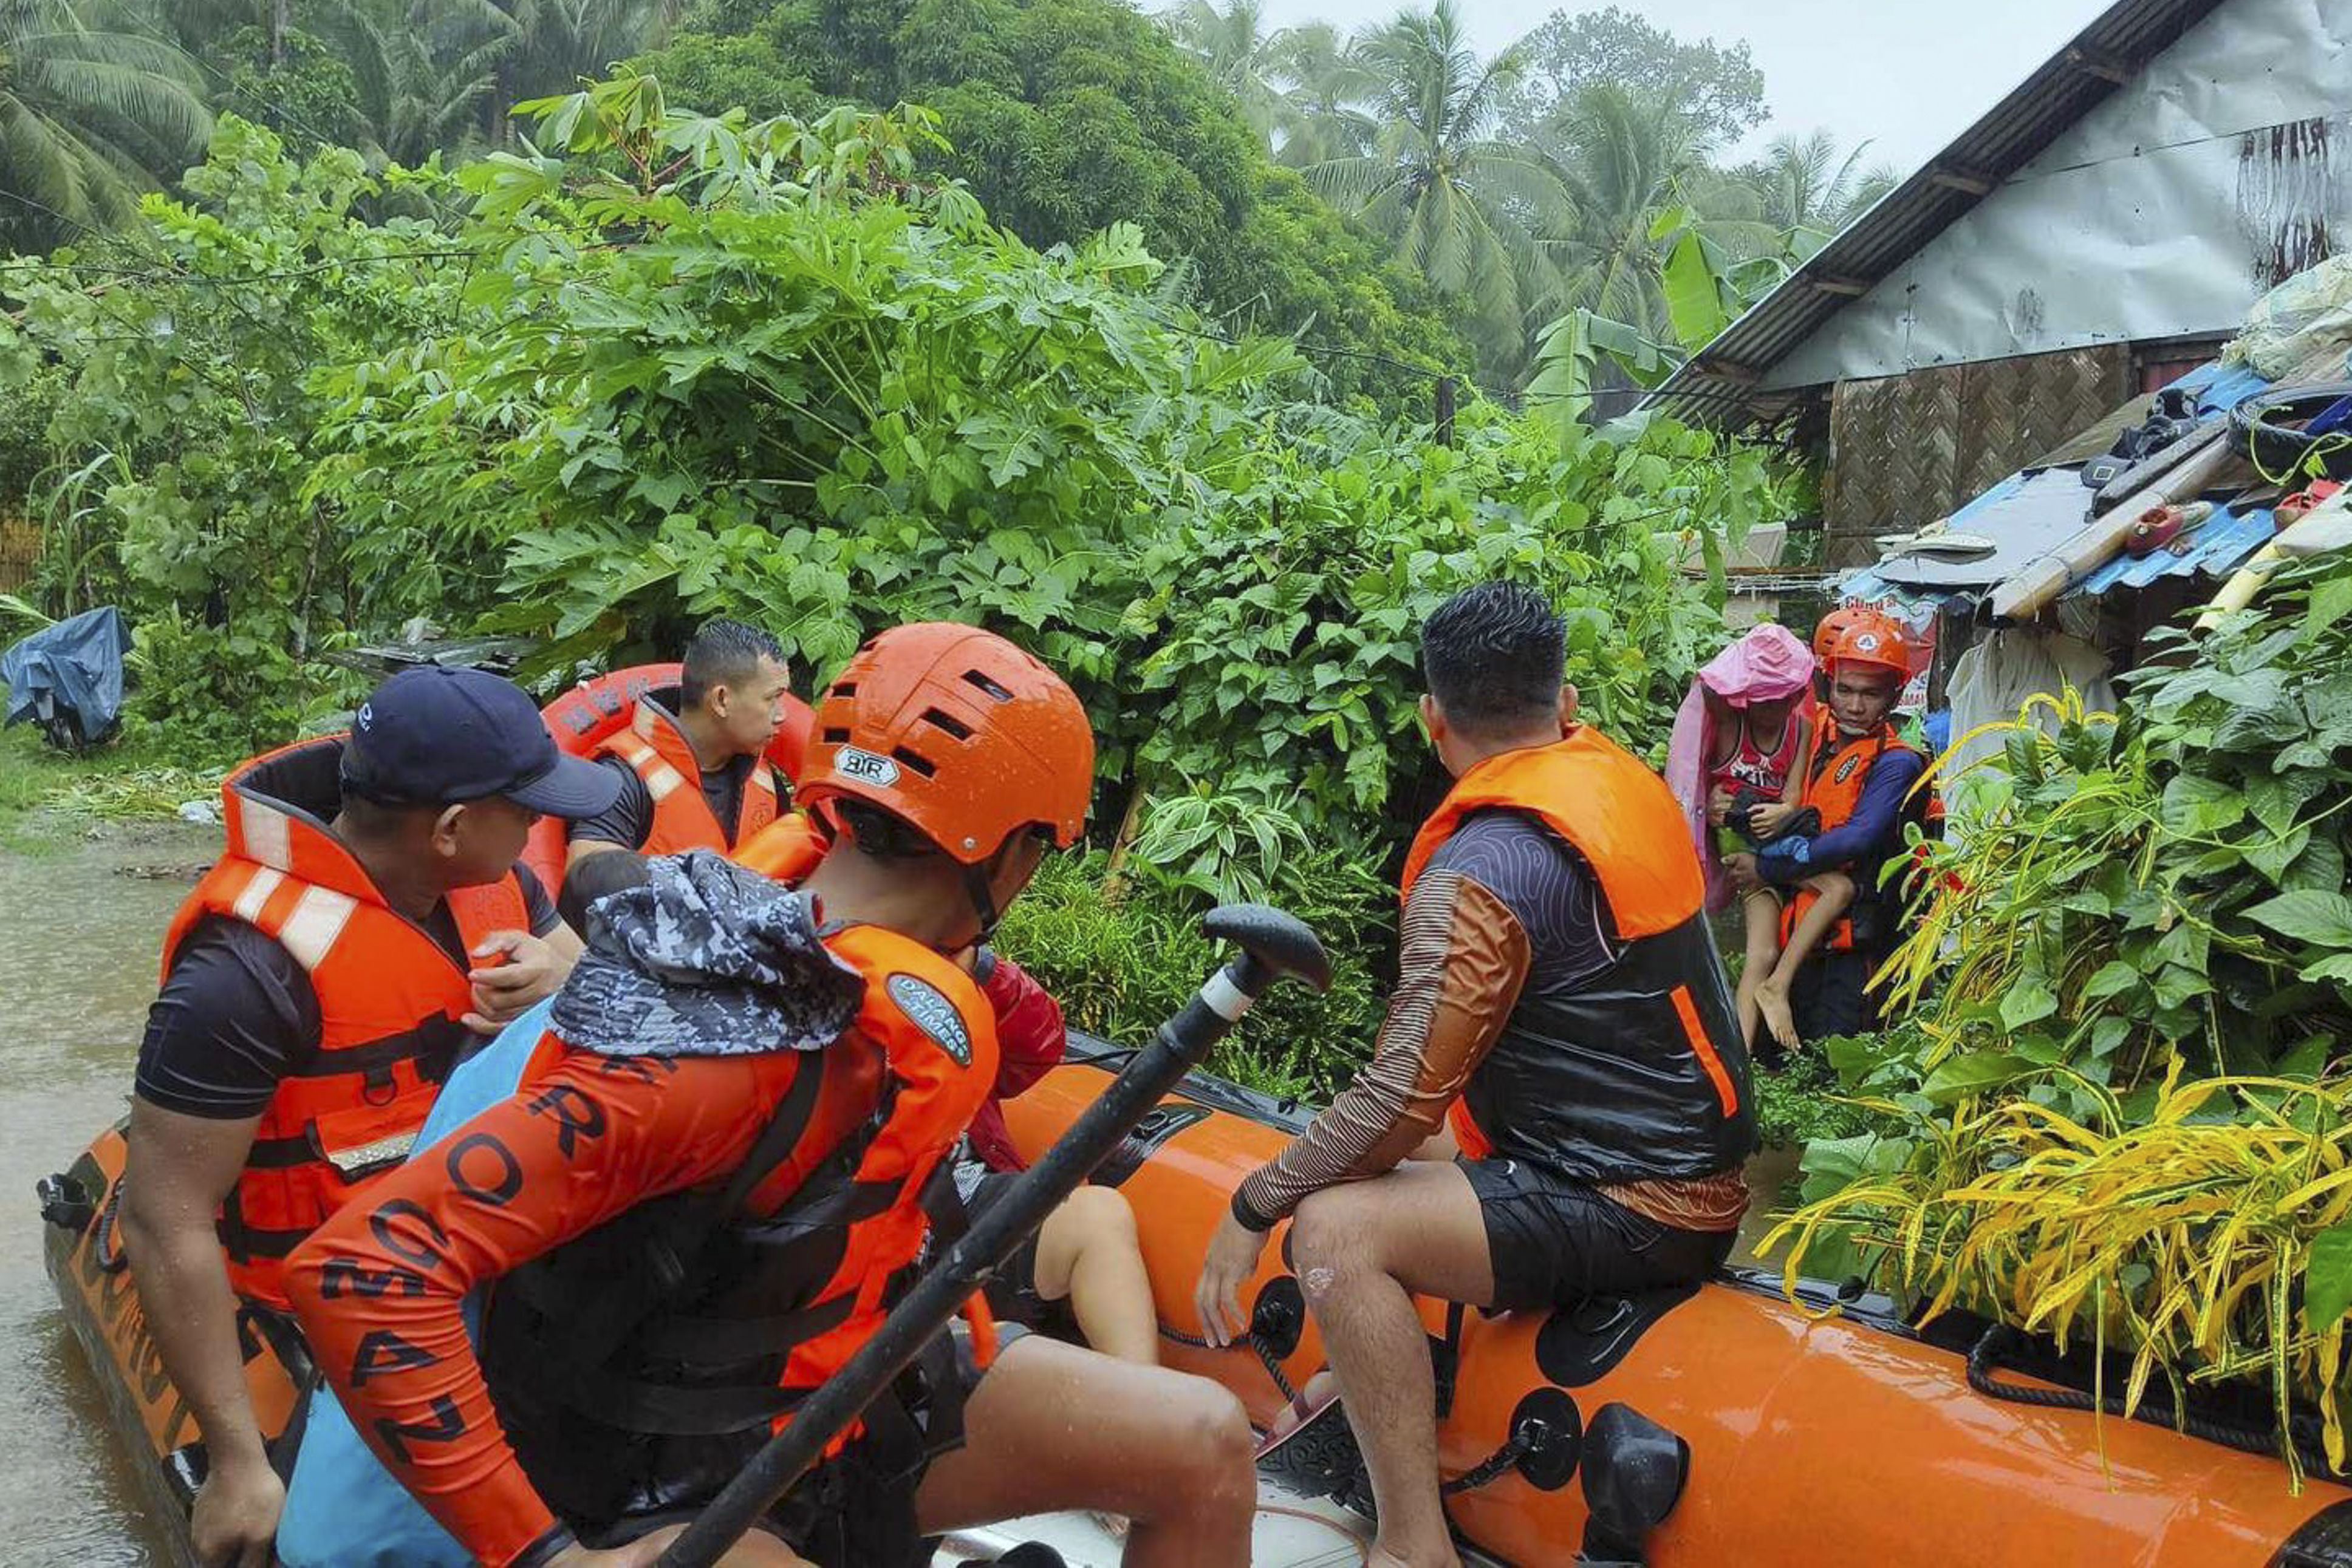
{"points": [[1462, 960]]}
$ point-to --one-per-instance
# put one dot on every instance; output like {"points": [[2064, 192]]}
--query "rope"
{"points": [[1987, 1356], [1529, 1436], [106, 1241], [1264, 1354]]}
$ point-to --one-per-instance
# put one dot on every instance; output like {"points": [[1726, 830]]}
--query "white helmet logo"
{"points": [[864, 767], [1867, 642]]}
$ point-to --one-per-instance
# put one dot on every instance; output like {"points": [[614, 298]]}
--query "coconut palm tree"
{"points": [[1245, 59], [1624, 162], [90, 118], [564, 42], [1321, 116], [1461, 205], [1808, 189], [426, 71]]}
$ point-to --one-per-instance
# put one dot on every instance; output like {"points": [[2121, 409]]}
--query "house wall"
{"points": [[2223, 166], [1906, 450]]}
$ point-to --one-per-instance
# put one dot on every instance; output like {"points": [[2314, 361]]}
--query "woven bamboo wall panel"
{"points": [[1906, 450]]}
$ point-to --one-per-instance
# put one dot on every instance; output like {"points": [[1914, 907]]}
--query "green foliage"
{"points": [[1716, 89], [670, 366], [184, 430], [816, 391], [1069, 117], [1122, 963], [1806, 1102], [2133, 974], [89, 116]]}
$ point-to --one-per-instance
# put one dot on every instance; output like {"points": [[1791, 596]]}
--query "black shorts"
{"points": [[1552, 1242], [1013, 1292], [856, 1509]]}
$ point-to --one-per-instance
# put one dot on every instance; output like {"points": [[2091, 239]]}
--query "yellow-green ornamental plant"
{"points": [[2118, 1111]]}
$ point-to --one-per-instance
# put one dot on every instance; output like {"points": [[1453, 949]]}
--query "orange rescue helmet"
{"points": [[1871, 637], [1827, 631], [958, 733]]}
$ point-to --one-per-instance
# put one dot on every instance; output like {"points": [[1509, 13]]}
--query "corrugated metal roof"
{"points": [[2029, 513], [1717, 385]]}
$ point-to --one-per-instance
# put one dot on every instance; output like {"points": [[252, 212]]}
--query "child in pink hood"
{"points": [[1748, 720]]}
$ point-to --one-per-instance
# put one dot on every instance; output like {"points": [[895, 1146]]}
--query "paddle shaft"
{"points": [[927, 1309]]}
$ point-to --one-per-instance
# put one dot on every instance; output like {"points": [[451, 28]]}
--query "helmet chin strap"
{"points": [[977, 887]]}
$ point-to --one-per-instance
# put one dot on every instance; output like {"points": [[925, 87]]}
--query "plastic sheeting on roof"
{"points": [[2027, 514]]}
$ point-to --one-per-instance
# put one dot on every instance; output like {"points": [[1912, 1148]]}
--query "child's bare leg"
{"points": [[1761, 911], [1088, 1252], [1832, 893]]}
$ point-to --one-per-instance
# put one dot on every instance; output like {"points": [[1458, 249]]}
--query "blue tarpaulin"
{"points": [[69, 677], [2029, 513]]}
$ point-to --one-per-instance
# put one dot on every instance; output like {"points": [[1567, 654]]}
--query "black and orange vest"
{"points": [[657, 749], [619, 1401], [1835, 776], [390, 999], [1638, 1074]]}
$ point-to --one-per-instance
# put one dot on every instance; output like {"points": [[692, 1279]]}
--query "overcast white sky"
{"points": [[1908, 73]]}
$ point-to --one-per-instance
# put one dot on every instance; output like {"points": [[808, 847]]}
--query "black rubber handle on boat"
{"points": [[1274, 945]]}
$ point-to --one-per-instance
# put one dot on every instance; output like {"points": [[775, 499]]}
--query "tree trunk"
{"points": [[281, 21]]}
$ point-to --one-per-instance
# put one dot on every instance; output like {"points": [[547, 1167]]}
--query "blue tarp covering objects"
{"points": [[2028, 514], [67, 678]]}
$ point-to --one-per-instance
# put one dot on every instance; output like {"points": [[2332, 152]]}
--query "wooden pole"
{"points": [[1445, 410]]}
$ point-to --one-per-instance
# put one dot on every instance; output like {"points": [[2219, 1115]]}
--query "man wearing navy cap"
{"points": [[367, 920]]}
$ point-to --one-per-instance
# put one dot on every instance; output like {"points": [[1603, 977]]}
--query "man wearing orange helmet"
{"points": [[1861, 779], [708, 1193]]}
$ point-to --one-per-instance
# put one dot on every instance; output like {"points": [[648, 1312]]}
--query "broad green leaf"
{"points": [[1973, 1073], [2113, 979], [2330, 602], [2323, 919], [2194, 807], [2027, 1001], [2328, 1279]]}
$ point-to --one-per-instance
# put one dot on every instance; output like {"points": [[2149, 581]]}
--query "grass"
{"points": [[44, 792]]}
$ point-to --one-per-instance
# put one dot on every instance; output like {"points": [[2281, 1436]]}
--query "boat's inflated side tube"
{"points": [[343, 1509]]}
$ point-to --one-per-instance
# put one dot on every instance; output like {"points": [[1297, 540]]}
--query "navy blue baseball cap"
{"points": [[437, 736]]}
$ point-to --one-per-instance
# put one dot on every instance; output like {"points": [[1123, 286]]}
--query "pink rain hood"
{"points": [[1767, 664]]}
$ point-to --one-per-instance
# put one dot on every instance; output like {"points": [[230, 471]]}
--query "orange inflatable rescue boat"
{"points": [[1847, 1441], [1850, 1440]]}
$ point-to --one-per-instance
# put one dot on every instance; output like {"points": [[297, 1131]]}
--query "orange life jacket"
{"points": [[1834, 777], [616, 1404], [787, 849], [657, 750], [390, 999], [1639, 1074]]}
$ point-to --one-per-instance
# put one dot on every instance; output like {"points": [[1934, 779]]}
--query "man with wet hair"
{"points": [[731, 691], [1560, 1002]]}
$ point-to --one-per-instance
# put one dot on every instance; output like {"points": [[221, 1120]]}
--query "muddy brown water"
{"points": [[81, 923]]}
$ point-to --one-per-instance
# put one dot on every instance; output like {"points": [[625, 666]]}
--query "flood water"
{"points": [[81, 924]]}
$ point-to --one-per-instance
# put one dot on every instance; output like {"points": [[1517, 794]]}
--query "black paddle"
{"points": [[1273, 944]]}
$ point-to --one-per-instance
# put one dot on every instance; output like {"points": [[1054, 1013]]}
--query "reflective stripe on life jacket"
{"points": [[1639, 1073], [657, 750], [390, 999], [1835, 777], [617, 1402]]}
